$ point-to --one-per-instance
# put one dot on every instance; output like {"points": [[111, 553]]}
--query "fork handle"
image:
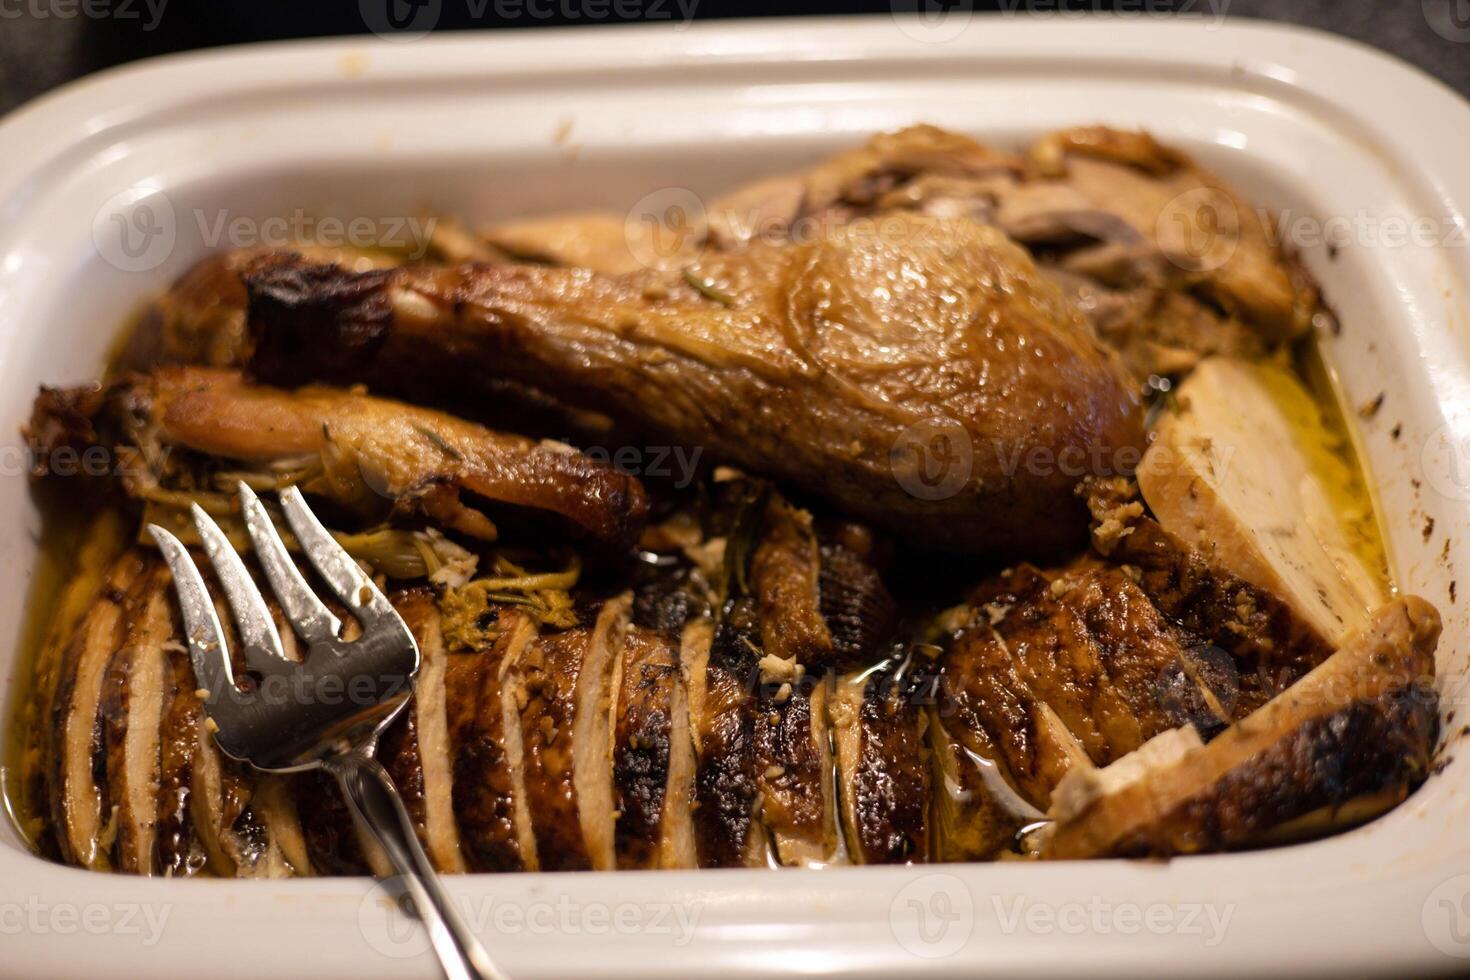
{"points": [[378, 807]]}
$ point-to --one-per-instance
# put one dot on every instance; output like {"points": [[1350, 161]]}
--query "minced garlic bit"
{"points": [[211, 725], [1116, 525], [996, 612], [775, 772], [841, 714], [774, 668], [783, 693], [202, 693], [455, 565]]}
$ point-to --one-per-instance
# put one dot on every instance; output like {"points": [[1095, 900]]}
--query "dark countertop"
{"points": [[45, 43]]}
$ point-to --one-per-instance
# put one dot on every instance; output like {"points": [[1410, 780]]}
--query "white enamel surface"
{"points": [[469, 125]]}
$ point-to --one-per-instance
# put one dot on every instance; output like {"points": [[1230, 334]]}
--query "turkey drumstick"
{"points": [[918, 372]]}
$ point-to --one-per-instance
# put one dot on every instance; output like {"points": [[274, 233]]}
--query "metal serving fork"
{"points": [[325, 711]]}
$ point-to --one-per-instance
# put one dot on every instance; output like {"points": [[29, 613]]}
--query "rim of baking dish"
{"points": [[1368, 900]]}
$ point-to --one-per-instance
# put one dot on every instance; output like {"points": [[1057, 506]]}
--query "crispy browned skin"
{"points": [[785, 572], [811, 361], [200, 318], [878, 726], [552, 667], [984, 691], [1080, 668], [1189, 216], [883, 173], [793, 767], [1361, 725], [373, 452], [1104, 658], [643, 733], [820, 603], [725, 831], [567, 744], [967, 822], [137, 687], [486, 757], [1274, 646], [1164, 259]]}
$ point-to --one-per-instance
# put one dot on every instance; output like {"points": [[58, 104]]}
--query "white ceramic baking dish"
{"points": [[495, 126]]}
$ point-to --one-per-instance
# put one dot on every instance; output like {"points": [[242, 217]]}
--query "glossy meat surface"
{"points": [[366, 454], [917, 372]]}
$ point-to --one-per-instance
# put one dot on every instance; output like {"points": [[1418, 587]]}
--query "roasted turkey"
{"points": [[920, 609]]}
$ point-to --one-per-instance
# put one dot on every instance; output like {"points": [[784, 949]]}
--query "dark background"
{"points": [[44, 43]]}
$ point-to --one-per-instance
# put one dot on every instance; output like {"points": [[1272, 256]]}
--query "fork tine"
{"points": [[335, 565], [311, 620], [207, 650], [257, 629]]}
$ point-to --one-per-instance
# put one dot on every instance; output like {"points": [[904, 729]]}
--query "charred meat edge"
{"points": [[374, 451], [878, 729], [567, 745], [483, 695], [137, 685], [76, 799], [1362, 724], [651, 771]]}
